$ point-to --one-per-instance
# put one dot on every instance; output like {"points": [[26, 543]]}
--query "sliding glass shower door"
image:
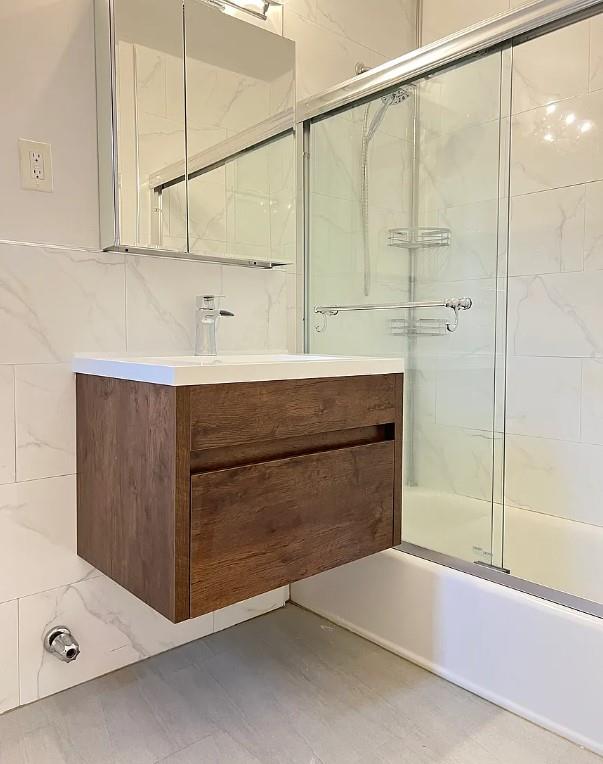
{"points": [[406, 247]]}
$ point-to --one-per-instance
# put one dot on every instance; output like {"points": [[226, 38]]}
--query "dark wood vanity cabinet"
{"points": [[194, 498]]}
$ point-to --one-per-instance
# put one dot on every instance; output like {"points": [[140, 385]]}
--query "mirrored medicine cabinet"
{"points": [[196, 133]]}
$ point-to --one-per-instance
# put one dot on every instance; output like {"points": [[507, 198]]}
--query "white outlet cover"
{"points": [[35, 161]]}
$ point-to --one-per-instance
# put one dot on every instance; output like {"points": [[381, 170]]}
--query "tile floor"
{"points": [[287, 687]]}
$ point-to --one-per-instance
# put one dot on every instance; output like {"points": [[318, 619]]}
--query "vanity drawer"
{"points": [[260, 526], [223, 415]]}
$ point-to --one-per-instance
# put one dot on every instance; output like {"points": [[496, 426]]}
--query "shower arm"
{"points": [[455, 304]]}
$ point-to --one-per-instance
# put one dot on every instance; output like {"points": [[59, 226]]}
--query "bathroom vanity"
{"points": [[205, 481]]}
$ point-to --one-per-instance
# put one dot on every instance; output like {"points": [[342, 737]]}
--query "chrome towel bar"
{"points": [[456, 304]]}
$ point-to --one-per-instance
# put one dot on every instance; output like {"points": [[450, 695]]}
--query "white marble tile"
{"points": [[465, 392], [543, 397], [596, 53], [222, 98], [547, 231], [592, 402], [112, 626], [207, 205], [56, 302], [475, 334], [473, 249], [441, 19], [556, 315], [390, 171], [151, 80], [389, 32], [7, 424], [551, 67], [557, 145], [324, 58], [45, 417], [335, 242], [336, 157], [460, 97], [38, 532], [454, 460], [9, 665], [258, 298], [593, 229], [460, 167], [243, 611], [455, 525], [249, 222], [555, 477], [251, 175], [555, 552], [161, 302]]}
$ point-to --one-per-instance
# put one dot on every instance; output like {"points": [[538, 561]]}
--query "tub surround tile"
{"points": [[556, 315], [557, 145], [593, 244], [547, 231], [555, 477], [543, 397], [45, 415], [596, 53], [460, 167], [555, 552], [454, 460], [7, 424], [9, 665], [551, 67], [38, 531], [592, 402]]}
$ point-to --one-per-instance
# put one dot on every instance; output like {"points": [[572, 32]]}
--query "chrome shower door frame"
{"points": [[501, 33]]}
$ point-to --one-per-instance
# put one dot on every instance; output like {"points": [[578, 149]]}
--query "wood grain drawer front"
{"points": [[223, 415], [261, 526]]}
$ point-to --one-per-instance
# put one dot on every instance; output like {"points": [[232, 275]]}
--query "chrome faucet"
{"points": [[207, 319]]}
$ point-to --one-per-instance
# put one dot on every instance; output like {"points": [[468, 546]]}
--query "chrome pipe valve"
{"points": [[60, 642]]}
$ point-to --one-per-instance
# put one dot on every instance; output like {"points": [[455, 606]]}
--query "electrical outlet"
{"points": [[35, 161]]}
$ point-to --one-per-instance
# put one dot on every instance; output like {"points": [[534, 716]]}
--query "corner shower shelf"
{"points": [[417, 238]]}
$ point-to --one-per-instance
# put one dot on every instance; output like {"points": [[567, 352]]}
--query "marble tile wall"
{"points": [[553, 413], [62, 295], [443, 18], [332, 36], [553, 492], [55, 302]]}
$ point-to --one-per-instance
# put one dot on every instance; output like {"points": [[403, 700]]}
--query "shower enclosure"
{"points": [[442, 212]]}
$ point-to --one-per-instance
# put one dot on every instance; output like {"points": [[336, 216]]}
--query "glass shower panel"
{"points": [[404, 209]]}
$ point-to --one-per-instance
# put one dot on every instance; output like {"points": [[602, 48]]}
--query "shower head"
{"points": [[399, 95], [391, 99]]}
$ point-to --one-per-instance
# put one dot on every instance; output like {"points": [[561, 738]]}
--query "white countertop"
{"points": [[224, 369]]}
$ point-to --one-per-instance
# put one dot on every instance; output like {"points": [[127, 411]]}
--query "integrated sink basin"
{"points": [[224, 369]]}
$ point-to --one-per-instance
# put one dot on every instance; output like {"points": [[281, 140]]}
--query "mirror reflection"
{"points": [[204, 143]]}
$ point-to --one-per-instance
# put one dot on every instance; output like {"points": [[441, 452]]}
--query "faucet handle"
{"points": [[226, 313], [207, 301]]}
